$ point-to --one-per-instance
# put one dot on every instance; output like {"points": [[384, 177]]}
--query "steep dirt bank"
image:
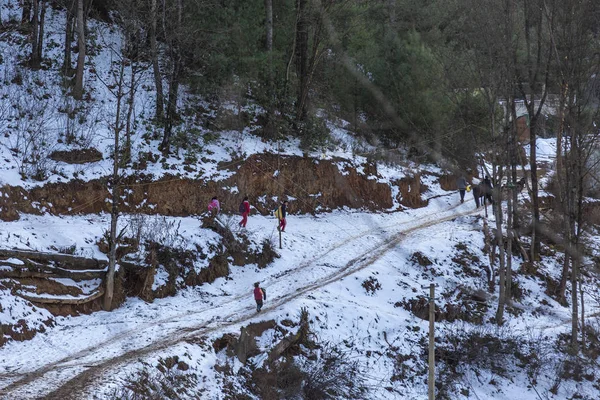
{"points": [[312, 185]]}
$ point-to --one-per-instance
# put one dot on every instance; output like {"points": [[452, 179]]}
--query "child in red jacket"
{"points": [[259, 295], [245, 210]]}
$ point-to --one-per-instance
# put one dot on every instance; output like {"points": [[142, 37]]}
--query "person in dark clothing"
{"points": [[258, 296], [461, 184], [281, 214], [486, 190], [476, 194], [245, 209]]}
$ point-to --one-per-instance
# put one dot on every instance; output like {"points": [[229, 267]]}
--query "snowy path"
{"points": [[69, 376]]}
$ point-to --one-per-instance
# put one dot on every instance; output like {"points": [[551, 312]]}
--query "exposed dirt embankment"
{"points": [[312, 185]]}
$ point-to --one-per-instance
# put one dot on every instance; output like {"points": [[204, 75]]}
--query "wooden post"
{"points": [[431, 380], [279, 237]]}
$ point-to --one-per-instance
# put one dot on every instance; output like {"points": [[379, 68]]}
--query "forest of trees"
{"points": [[439, 77], [427, 75]]}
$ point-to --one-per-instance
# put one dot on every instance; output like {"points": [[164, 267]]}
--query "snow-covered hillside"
{"points": [[351, 270], [362, 276]]}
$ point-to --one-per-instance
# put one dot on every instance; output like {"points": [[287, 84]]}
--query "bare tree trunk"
{"points": [[301, 59], [114, 212], [559, 133], [40, 41], [574, 308], [78, 89], [582, 314], [171, 106], [131, 105], [502, 254], [34, 61], [37, 40], [160, 102], [573, 242], [514, 160], [538, 73], [535, 202], [26, 14], [561, 177], [69, 28], [177, 61], [269, 126], [564, 276], [269, 25], [509, 247]]}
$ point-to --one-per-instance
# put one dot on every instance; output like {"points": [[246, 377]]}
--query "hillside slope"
{"points": [[368, 231]]}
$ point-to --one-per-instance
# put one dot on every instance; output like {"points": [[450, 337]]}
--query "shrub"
{"points": [[371, 285], [267, 253], [496, 351], [170, 379], [313, 133], [332, 374]]}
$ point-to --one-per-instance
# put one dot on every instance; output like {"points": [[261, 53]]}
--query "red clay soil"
{"points": [[316, 186]]}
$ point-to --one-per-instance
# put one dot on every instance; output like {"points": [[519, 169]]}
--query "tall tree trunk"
{"points": [[502, 299], [131, 105], [26, 14], [269, 125], [509, 247], [564, 276], [561, 182], [69, 28], [78, 89], [177, 60], [559, 133], [269, 25], [582, 314], [171, 106], [537, 64], [114, 211], [301, 59], [574, 183], [535, 202], [514, 160], [580, 171], [160, 102], [574, 305], [34, 61], [40, 40]]}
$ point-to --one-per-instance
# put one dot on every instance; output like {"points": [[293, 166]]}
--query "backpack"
{"points": [[242, 208], [277, 213], [264, 293]]}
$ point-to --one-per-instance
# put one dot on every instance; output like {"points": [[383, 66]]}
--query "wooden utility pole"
{"points": [[431, 380]]}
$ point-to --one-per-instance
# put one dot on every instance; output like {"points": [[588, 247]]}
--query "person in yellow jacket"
{"points": [[281, 213]]}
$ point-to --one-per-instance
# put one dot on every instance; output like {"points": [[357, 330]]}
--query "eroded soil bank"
{"points": [[311, 185]]}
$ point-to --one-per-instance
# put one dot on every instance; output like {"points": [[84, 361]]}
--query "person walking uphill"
{"points": [[245, 211], [281, 213], [259, 295], [486, 190], [476, 189], [461, 184]]}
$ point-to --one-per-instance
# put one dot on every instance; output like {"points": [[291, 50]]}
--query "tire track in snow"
{"points": [[84, 379]]}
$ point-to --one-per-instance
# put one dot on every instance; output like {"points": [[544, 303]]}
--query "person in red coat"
{"points": [[245, 210], [259, 294]]}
